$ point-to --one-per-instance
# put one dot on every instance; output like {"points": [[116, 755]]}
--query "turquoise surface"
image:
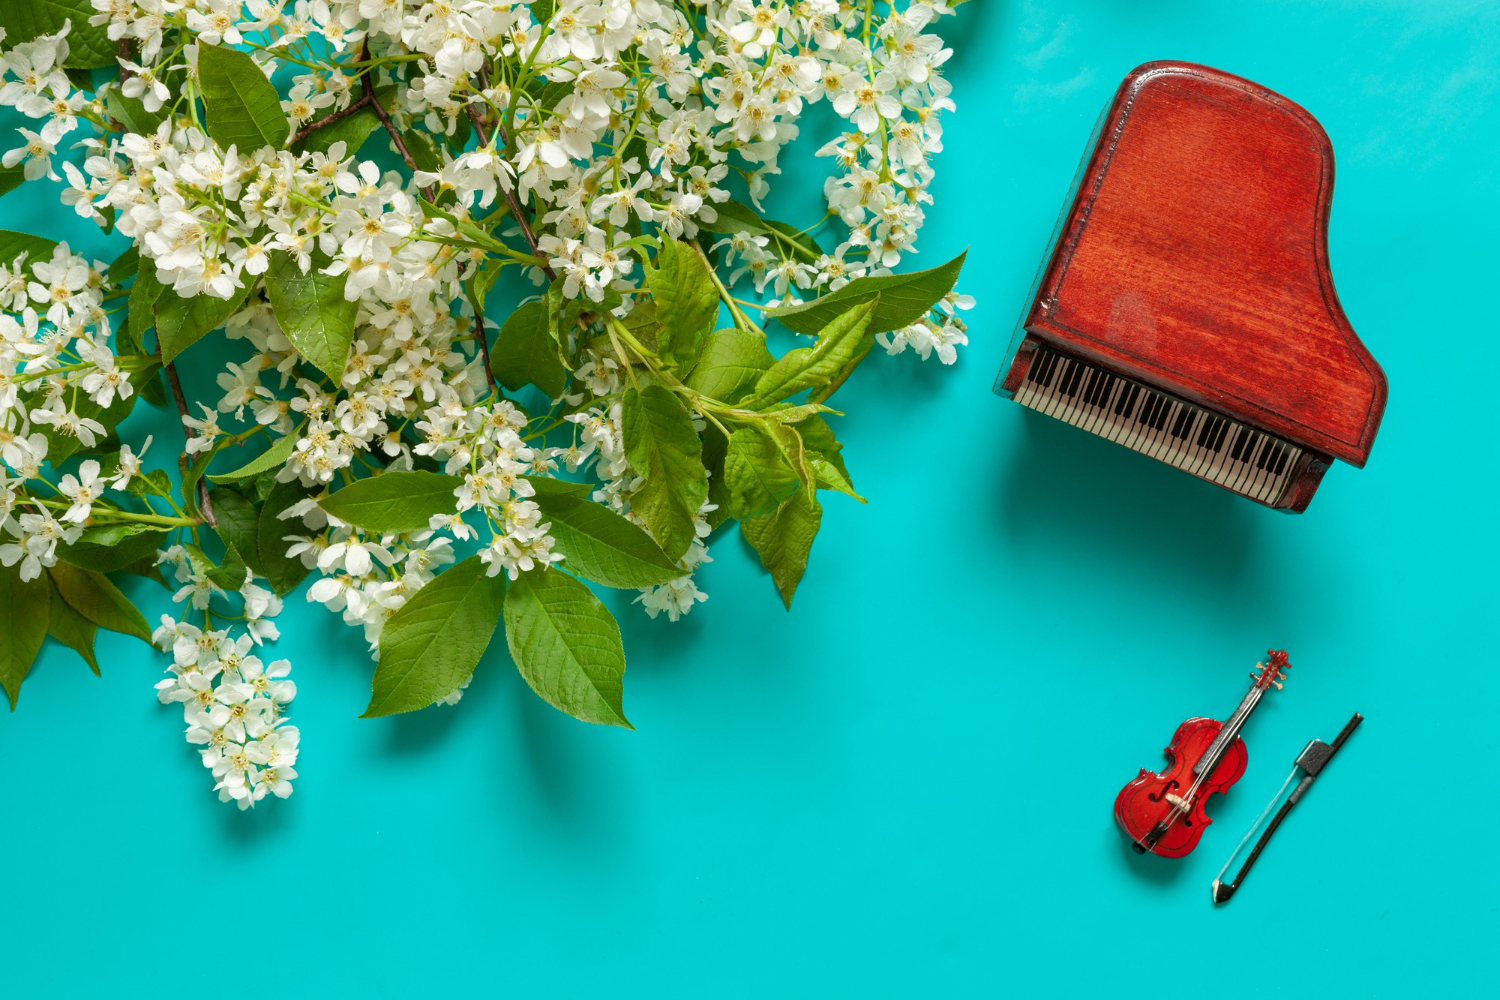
{"points": [[902, 788]]}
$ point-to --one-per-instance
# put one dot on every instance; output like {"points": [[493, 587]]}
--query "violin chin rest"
{"points": [[1222, 892]]}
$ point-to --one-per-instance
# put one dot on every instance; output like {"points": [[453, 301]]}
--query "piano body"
{"points": [[1185, 307]]}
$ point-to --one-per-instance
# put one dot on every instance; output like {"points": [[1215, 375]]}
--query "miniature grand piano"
{"points": [[1185, 308]]}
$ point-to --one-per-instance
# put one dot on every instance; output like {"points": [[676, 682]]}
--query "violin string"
{"points": [[1256, 825], [1176, 814]]}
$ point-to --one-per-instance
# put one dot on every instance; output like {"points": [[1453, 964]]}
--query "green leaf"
{"points": [[143, 295], [93, 596], [715, 450], [88, 45], [181, 322], [351, 130], [567, 646], [393, 502], [11, 178], [737, 217], [731, 362], [526, 351], [757, 473], [602, 546], [71, 629], [312, 311], [824, 456], [784, 538], [124, 266], [112, 548], [131, 112], [687, 301], [273, 457], [150, 483], [27, 605], [13, 244], [662, 446], [807, 367], [238, 523], [281, 573], [904, 299], [243, 108], [547, 486], [433, 642]]}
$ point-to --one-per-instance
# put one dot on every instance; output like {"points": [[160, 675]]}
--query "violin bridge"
{"points": [[1179, 803]]}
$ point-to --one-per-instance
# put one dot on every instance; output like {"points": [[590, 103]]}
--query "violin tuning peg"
{"points": [[1278, 685]]}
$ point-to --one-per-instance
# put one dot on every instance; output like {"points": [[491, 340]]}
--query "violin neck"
{"points": [[1229, 731]]}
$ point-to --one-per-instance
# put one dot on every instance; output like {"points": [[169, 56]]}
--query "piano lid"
{"points": [[1194, 255]]}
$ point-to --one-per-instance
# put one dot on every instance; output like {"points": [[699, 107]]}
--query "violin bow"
{"points": [[1310, 763]]}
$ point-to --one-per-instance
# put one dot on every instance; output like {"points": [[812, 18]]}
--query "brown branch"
{"points": [[337, 116], [484, 343], [204, 505], [368, 87], [516, 211]]}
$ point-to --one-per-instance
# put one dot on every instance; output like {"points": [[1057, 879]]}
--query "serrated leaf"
{"points": [[686, 298], [526, 351], [273, 457], [394, 502], [715, 448], [71, 629], [150, 483], [729, 365], [131, 112], [237, 526], [228, 574], [824, 454], [27, 605], [567, 646], [904, 299], [180, 322], [108, 548], [758, 475], [11, 178], [93, 596], [808, 367], [662, 446], [784, 538], [600, 545], [88, 44], [124, 266], [13, 244], [243, 108], [281, 573], [433, 642], [737, 217], [547, 486], [312, 311], [143, 295]]}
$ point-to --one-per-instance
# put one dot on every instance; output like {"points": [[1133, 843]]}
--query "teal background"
{"points": [[903, 787]]}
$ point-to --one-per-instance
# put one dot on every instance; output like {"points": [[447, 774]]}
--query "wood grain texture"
{"points": [[1192, 255]]}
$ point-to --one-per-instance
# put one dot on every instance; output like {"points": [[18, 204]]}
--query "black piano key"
{"points": [[1242, 440], [1074, 377], [1266, 455], [1127, 400], [1206, 433], [1222, 435], [1281, 462], [1184, 418]]}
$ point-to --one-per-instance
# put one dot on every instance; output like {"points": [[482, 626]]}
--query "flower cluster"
{"points": [[427, 156], [233, 703]]}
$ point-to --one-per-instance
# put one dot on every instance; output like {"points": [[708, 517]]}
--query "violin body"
{"points": [[1147, 801]]}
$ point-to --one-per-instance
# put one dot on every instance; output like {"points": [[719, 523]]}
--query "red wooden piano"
{"points": [[1185, 308]]}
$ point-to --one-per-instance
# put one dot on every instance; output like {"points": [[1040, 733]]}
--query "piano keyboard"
{"points": [[1233, 455]]}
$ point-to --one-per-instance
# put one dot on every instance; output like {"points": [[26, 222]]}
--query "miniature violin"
{"points": [[1165, 813]]}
